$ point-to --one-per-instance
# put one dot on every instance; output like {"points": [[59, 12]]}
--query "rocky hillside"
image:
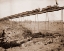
{"points": [[14, 28], [40, 41]]}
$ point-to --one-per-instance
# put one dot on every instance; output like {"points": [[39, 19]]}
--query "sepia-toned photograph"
{"points": [[31, 25]]}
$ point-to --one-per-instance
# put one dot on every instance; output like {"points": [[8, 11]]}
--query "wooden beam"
{"points": [[34, 12]]}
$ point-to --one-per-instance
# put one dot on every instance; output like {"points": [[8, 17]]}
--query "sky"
{"points": [[11, 7]]}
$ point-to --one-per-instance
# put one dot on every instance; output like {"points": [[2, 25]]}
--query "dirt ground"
{"points": [[40, 44], [36, 44]]}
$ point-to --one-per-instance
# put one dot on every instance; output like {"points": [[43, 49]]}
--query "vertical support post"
{"points": [[62, 19], [35, 23], [47, 20], [19, 25], [56, 3], [38, 22]]}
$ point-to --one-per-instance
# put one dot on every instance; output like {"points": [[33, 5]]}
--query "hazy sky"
{"points": [[10, 7]]}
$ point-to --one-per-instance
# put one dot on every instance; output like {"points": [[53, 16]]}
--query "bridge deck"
{"points": [[34, 12]]}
